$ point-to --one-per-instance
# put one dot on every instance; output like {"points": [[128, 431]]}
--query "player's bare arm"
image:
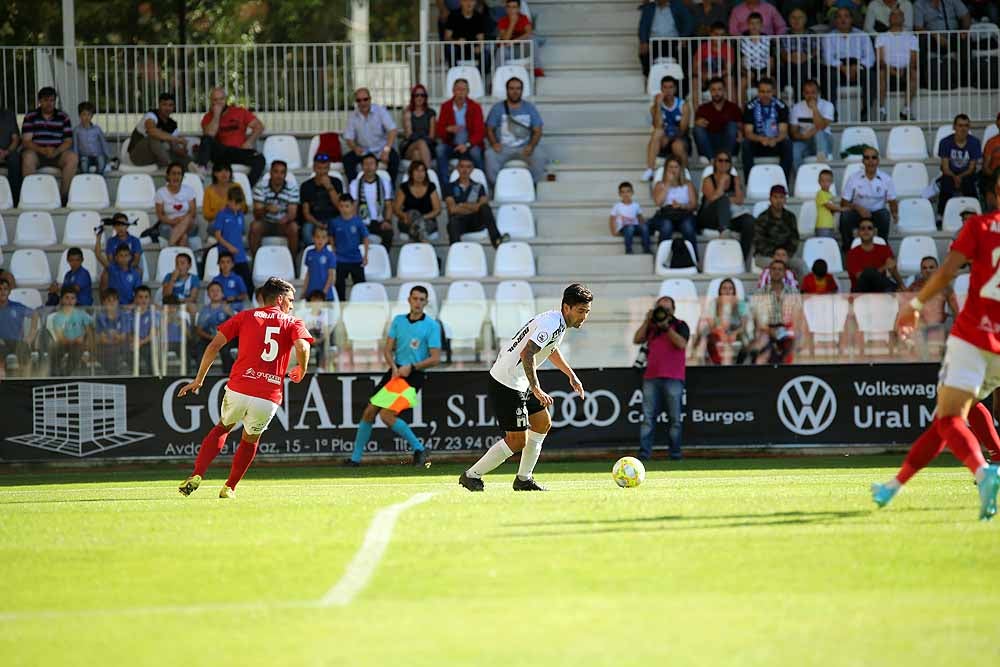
{"points": [[938, 282], [302, 348], [560, 362], [207, 359], [528, 362]]}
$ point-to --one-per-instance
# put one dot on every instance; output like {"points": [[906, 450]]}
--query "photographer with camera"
{"points": [[664, 339]]}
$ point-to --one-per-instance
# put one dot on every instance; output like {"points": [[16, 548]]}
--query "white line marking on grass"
{"points": [[361, 568]]}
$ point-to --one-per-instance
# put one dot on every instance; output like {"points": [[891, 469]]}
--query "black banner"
{"points": [[728, 407]]}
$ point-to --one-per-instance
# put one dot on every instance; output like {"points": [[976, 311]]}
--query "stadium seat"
{"points": [[807, 180], [402, 306], [515, 291], [826, 316], [849, 170], [79, 227], [35, 229], [910, 179], [725, 257], [369, 293], [514, 185], [40, 192], [31, 298], [876, 315], [713, 288], [212, 265], [661, 263], [30, 268], [89, 262], [762, 178], [961, 288], [991, 131], [507, 317], [466, 290], [379, 269], [942, 132], [6, 196], [514, 260], [912, 250], [857, 136], [477, 176], [678, 288], [243, 181], [952, 221], [759, 208], [142, 223], [471, 74], [88, 191], [463, 322], [271, 260], [194, 182], [365, 320], [878, 240], [326, 314], [136, 191], [916, 216], [660, 70], [3, 234], [503, 74], [806, 218], [166, 262], [282, 147], [125, 165], [516, 220], [417, 260], [823, 248], [466, 260], [906, 142]]}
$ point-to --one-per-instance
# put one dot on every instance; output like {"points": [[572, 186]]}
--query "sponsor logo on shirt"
{"points": [[251, 374]]}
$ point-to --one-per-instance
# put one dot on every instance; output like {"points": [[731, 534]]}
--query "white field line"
{"points": [[357, 575]]}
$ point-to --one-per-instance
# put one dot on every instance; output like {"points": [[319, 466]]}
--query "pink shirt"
{"points": [[663, 360], [774, 24]]}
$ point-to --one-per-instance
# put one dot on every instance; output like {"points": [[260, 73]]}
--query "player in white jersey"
{"points": [[519, 402]]}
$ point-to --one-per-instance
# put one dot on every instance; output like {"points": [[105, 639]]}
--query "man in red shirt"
{"points": [[225, 138], [971, 367], [254, 391], [717, 123], [872, 266]]}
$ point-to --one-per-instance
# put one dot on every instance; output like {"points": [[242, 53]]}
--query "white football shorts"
{"points": [[968, 368], [255, 413]]}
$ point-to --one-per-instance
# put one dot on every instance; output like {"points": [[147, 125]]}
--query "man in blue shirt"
{"points": [[320, 265], [961, 156], [114, 331], [349, 232], [513, 130], [78, 278], [13, 339], [765, 129], [412, 346], [119, 273], [234, 290]]}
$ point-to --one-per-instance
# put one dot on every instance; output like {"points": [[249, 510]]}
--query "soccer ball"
{"points": [[628, 472]]}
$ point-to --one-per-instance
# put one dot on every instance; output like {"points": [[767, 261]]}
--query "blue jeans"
{"points": [[629, 231], [92, 164], [821, 142], [710, 143], [686, 227], [657, 394], [444, 152]]}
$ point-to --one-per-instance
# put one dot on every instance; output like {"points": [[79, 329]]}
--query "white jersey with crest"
{"points": [[546, 331]]}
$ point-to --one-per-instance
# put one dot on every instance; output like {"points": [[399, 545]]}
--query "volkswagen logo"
{"points": [[807, 405], [601, 408]]}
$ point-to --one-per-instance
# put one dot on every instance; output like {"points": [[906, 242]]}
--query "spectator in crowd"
{"points": [[113, 332], [938, 16], [373, 193], [469, 207], [211, 315], [349, 235], [665, 338], [662, 19], [771, 19], [725, 329], [850, 60], [77, 278], [15, 337], [933, 315], [119, 272], [713, 59], [810, 123], [176, 207], [961, 155], [321, 265], [626, 219], [120, 236], [897, 64], [797, 60], [156, 140], [868, 195], [984, 10], [227, 227], [872, 266], [9, 277], [782, 255], [991, 168], [775, 227], [513, 130], [467, 25], [419, 128], [370, 129], [47, 140], [878, 16], [755, 52], [319, 196], [514, 27], [417, 204], [217, 193], [676, 201], [275, 208], [819, 280], [722, 207], [776, 309], [671, 119], [180, 283], [149, 321], [460, 130], [70, 328], [765, 129], [444, 10], [717, 123], [234, 290], [10, 156], [225, 137], [856, 7], [706, 15], [89, 142], [826, 206]]}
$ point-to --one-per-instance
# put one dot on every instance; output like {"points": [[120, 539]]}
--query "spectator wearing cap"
{"points": [[47, 136], [156, 138], [513, 130], [120, 223], [10, 155], [765, 129], [739, 18], [775, 227], [275, 208], [460, 130], [960, 155], [868, 195], [370, 129], [991, 167], [319, 196], [662, 19], [225, 135]]}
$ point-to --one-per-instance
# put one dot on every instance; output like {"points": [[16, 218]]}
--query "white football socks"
{"points": [[493, 457], [529, 455]]}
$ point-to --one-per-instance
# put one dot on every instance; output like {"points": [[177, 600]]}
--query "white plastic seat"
{"points": [[516, 220], [167, 261], [876, 315], [402, 306], [79, 228], [212, 265], [857, 136], [807, 180], [417, 260], [762, 178], [912, 250], [514, 290], [463, 322], [364, 321], [953, 212], [142, 223], [243, 181], [378, 269], [89, 262], [30, 268], [40, 192], [849, 170], [662, 260], [823, 248], [759, 208], [136, 191], [678, 288], [503, 74], [514, 185], [826, 316], [514, 260], [31, 298], [194, 182], [477, 176], [942, 132], [6, 195], [910, 179], [660, 70], [470, 74], [282, 147], [991, 131], [916, 216], [271, 260], [507, 317], [466, 260], [724, 256], [877, 240], [806, 219], [35, 229], [466, 290], [125, 165], [961, 287], [369, 293], [906, 142], [88, 191]]}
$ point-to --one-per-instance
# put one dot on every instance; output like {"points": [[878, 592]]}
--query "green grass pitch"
{"points": [[719, 562]]}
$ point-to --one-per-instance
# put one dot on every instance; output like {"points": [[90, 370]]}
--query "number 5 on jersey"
{"points": [[270, 352]]}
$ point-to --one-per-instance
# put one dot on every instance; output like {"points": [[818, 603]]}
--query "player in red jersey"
{"points": [[971, 367], [254, 391]]}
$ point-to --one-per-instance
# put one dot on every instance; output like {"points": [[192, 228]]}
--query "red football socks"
{"points": [[924, 450], [241, 461], [210, 448], [981, 424], [961, 442]]}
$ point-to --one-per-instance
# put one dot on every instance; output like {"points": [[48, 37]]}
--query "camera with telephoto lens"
{"points": [[662, 315]]}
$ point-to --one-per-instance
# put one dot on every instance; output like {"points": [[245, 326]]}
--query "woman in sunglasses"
{"points": [[722, 202], [418, 127]]}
